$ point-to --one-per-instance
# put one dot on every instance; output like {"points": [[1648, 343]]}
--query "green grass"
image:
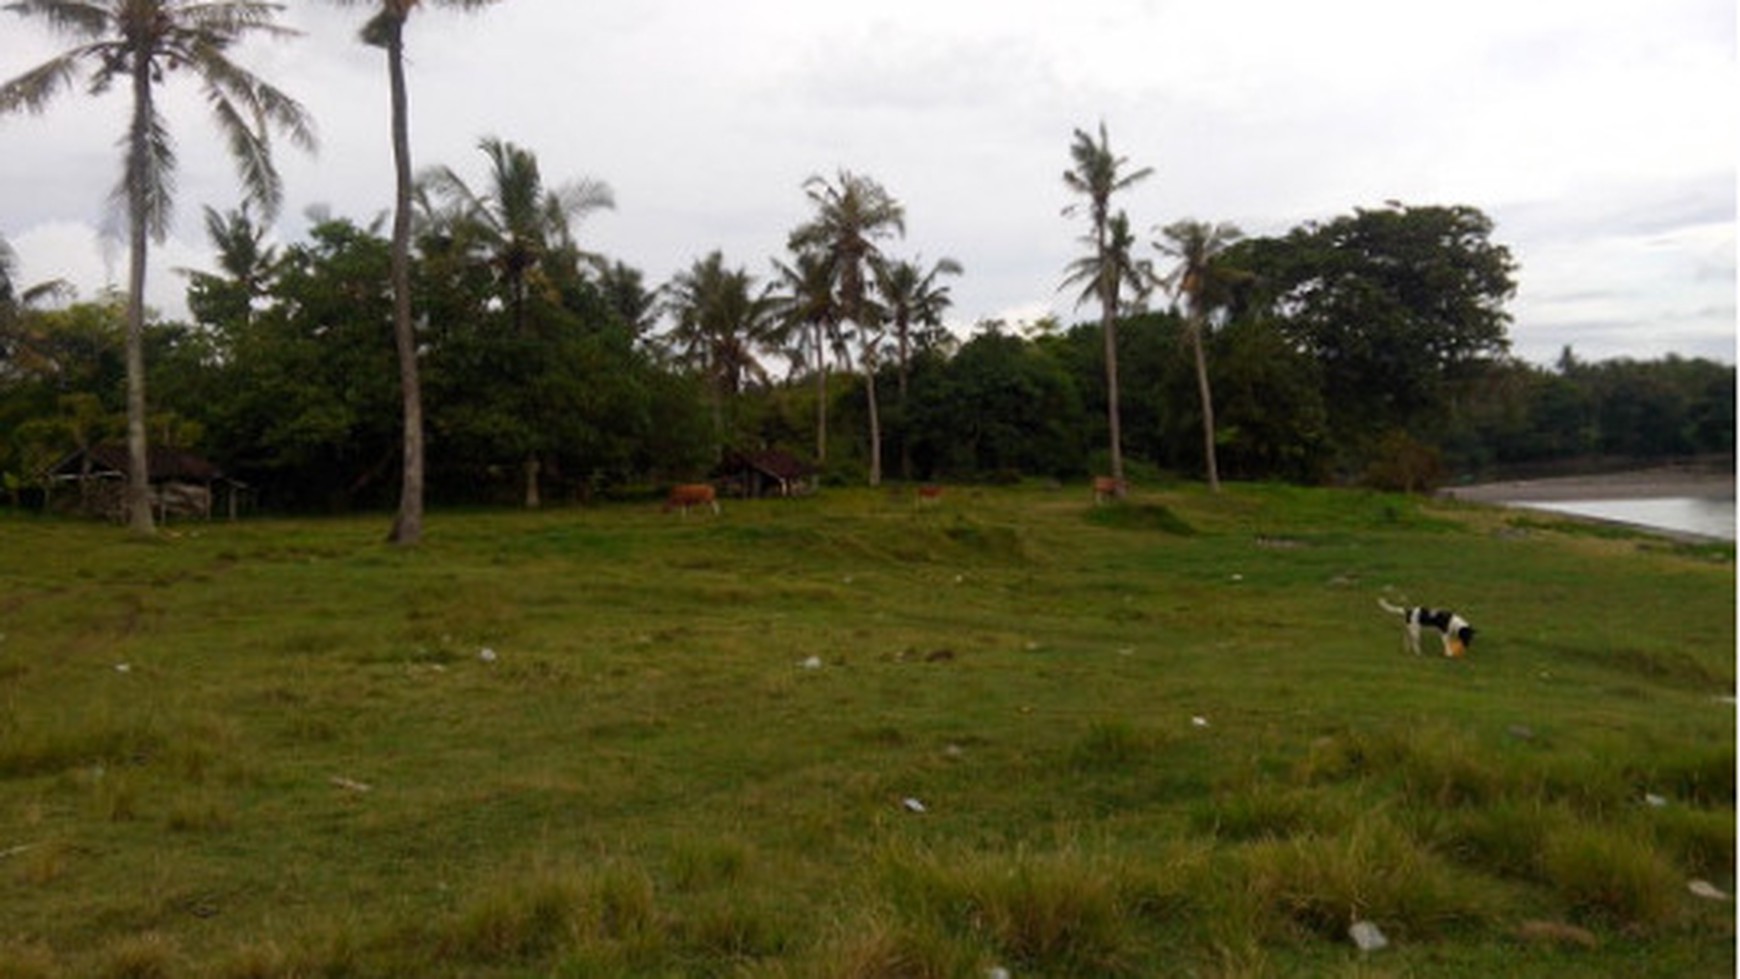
{"points": [[1170, 737]]}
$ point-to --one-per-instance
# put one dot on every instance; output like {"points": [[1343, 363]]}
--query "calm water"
{"points": [[1685, 514]]}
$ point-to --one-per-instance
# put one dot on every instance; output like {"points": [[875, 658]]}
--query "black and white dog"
{"points": [[1458, 635]]}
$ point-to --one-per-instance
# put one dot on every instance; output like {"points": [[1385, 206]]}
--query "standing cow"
{"points": [[692, 494]]}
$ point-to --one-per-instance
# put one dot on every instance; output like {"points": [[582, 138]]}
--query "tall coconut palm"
{"points": [[852, 214], [811, 318], [519, 222], [912, 298], [386, 30], [1200, 282], [1097, 174], [142, 43]]}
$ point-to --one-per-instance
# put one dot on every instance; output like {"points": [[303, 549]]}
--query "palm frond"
{"points": [[152, 171], [76, 18], [32, 91]]}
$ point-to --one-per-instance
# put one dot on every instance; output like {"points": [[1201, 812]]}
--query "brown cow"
{"points": [[687, 495], [1108, 488], [930, 493]]}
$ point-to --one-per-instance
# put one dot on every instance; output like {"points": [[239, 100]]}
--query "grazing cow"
{"points": [[930, 493], [1108, 488], [692, 494]]}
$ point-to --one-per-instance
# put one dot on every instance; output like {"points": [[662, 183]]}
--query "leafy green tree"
{"points": [[303, 405], [1001, 405], [1397, 305], [1201, 282], [852, 214], [386, 30], [1097, 173], [141, 43]]}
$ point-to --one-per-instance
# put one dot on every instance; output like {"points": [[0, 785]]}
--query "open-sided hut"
{"points": [[182, 484], [767, 473]]}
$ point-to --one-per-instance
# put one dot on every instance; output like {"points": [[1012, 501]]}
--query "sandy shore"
{"points": [[1667, 481]]}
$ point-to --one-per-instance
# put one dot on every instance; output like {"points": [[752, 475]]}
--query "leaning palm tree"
{"points": [[1200, 282], [386, 30], [1096, 176], [140, 43], [519, 222], [913, 298], [852, 214]]}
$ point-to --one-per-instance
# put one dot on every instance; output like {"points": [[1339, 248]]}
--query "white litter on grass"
{"points": [[996, 972], [1238, 577], [1367, 936], [486, 654], [1654, 801], [813, 663], [1706, 890], [913, 805], [350, 785], [123, 667], [1199, 722]]}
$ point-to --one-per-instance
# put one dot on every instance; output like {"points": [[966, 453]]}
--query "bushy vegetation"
{"points": [[857, 736]]}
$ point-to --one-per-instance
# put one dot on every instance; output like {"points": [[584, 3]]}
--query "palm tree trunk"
{"points": [[821, 394], [138, 453], [1109, 325], [408, 526], [532, 467], [904, 428], [1207, 406], [875, 424]]}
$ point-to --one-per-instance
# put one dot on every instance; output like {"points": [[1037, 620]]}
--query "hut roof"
{"points": [[161, 463], [770, 462]]}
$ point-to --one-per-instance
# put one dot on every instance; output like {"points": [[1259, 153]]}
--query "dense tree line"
{"points": [[571, 383]]}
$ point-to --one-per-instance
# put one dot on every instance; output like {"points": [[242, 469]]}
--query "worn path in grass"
{"points": [[1170, 736]]}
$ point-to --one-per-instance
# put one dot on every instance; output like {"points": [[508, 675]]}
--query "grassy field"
{"points": [[853, 736]]}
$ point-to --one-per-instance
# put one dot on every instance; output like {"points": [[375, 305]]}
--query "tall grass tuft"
{"points": [[1374, 870], [1055, 913], [147, 956], [1609, 875], [546, 909]]}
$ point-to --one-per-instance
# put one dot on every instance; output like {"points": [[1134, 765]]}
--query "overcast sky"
{"points": [[1600, 136]]}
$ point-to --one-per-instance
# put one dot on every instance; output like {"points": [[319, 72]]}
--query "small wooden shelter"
{"points": [[182, 483], [769, 472]]}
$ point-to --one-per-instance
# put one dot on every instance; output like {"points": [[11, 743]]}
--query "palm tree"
{"points": [[912, 297], [852, 213], [518, 222], [245, 261], [722, 323], [811, 315], [141, 42], [1096, 176], [1200, 282], [1109, 272], [386, 30]]}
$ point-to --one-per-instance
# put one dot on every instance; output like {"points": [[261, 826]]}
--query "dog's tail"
{"points": [[1392, 609]]}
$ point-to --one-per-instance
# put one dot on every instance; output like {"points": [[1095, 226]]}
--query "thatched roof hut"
{"points": [[182, 483], [769, 472]]}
